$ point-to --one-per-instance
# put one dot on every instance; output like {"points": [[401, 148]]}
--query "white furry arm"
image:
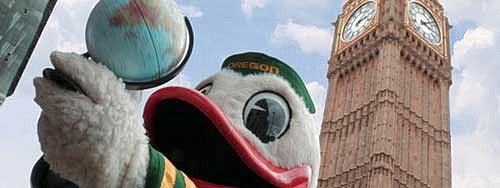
{"points": [[96, 140]]}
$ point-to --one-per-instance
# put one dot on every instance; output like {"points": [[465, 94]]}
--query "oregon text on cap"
{"points": [[255, 66]]}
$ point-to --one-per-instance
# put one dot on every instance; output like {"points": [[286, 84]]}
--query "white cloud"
{"points": [[74, 3], [469, 94], [180, 80], [475, 72], [476, 78], [478, 11], [475, 39], [19, 142], [475, 159], [318, 95], [191, 11], [64, 39], [475, 182], [301, 3], [308, 2], [311, 39], [498, 104], [249, 5], [474, 94]]}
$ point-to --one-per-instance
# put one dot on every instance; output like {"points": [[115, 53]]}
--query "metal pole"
{"points": [[2, 98]]}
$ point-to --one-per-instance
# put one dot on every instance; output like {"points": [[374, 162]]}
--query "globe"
{"points": [[141, 41]]}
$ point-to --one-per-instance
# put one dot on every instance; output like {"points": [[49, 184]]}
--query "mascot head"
{"points": [[249, 125]]}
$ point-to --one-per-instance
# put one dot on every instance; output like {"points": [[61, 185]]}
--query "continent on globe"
{"points": [[139, 11]]}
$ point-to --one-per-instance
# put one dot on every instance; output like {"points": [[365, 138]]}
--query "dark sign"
{"points": [[21, 23]]}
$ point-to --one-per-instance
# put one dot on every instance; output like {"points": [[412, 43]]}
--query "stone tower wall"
{"points": [[386, 120]]}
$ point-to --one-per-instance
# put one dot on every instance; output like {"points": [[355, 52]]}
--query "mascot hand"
{"points": [[93, 140]]}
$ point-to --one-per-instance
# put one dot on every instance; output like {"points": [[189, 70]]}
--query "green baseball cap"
{"points": [[259, 63]]}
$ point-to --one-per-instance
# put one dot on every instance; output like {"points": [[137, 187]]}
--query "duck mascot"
{"points": [[248, 125]]}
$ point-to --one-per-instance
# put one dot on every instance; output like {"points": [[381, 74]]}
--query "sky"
{"points": [[299, 33]]}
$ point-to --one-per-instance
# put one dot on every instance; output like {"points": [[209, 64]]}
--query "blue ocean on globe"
{"points": [[139, 40]]}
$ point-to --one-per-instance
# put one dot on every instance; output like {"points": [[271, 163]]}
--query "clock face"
{"points": [[359, 21], [423, 21]]}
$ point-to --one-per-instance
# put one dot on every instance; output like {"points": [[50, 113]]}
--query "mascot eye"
{"points": [[206, 89], [267, 115]]}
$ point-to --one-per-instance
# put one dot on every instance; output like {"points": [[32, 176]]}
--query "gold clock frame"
{"points": [[440, 47], [342, 44]]}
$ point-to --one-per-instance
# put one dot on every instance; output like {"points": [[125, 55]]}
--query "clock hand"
{"points": [[426, 24], [359, 21]]}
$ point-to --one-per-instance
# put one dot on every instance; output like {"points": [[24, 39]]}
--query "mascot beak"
{"points": [[193, 132]]}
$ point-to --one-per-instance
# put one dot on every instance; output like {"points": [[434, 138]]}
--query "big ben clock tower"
{"points": [[386, 121]]}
